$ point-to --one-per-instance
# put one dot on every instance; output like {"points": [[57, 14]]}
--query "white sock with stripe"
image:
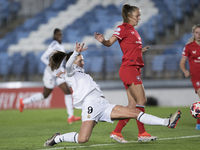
{"points": [[152, 120], [33, 98], [68, 137]]}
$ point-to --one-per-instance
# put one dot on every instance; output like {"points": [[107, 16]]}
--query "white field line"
{"points": [[96, 145]]}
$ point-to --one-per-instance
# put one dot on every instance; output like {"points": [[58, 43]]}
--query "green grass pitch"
{"points": [[30, 129]]}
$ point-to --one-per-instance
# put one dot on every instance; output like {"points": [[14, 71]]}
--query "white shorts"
{"points": [[50, 81], [97, 109]]}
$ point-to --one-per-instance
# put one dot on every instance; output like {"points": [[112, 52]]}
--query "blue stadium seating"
{"points": [[5, 65], [18, 64], [158, 63], [31, 63], [41, 66]]}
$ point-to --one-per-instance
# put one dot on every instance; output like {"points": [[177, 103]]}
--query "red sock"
{"points": [[120, 125], [198, 121], [139, 124]]}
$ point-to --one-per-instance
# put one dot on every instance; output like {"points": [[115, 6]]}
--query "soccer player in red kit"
{"points": [[192, 52], [130, 70]]}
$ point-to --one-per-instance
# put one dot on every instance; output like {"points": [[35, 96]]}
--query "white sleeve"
{"points": [[45, 57], [69, 67]]}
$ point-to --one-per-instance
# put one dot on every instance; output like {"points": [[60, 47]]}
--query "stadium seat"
{"points": [[5, 65], [158, 63], [18, 65], [31, 63], [41, 66]]}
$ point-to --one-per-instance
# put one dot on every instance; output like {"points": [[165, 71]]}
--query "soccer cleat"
{"points": [[198, 126], [51, 142], [73, 119], [173, 119], [21, 105], [118, 137], [146, 137]]}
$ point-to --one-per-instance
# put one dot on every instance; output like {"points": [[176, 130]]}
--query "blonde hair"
{"points": [[193, 29]]}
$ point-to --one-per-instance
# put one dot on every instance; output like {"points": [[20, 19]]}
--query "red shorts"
{"points": [[196, 84], [129, 75]]}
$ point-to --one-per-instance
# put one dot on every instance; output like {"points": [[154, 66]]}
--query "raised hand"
{"points": [[79, 47], [99, 37]]}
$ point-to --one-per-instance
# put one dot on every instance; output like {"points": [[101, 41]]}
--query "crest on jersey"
{"points": [[88, 116], [118, 29], [138, 78]]}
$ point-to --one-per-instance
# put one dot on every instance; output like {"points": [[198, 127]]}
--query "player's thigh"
{"points": [[86, 131], [120, 112], [138, 93], [46, 92], [65, 88], [198, 92]]}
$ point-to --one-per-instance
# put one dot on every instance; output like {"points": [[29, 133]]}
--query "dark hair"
{"points": [[55, 31], [57, 57], [127, 10]]}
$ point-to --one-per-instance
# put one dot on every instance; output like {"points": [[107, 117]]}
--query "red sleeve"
{"points": [[119, 32], [185, 52]]}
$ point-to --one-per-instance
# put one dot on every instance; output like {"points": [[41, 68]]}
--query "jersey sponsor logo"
{"points": [[198, 57], [198, 83], [194, 52], [132, 32], [138, 78]]}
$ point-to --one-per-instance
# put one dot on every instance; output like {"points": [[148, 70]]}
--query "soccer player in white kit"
{"points": [[88, 97], [50, 80]]}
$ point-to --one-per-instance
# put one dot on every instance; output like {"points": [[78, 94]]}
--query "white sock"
{"points": [[68, 137], [69, 105], [152, 120], [33, 98]]}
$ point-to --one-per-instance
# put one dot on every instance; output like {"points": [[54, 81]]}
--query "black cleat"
{"points": [[173, 119], [51, 142]]}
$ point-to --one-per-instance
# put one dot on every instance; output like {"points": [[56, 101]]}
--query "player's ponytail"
{"points": [[55, 59]]}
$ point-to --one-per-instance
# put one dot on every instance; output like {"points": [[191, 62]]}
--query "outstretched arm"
{"points": [[79, 48], [99, 37]]}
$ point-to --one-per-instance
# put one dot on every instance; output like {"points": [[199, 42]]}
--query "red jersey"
{"points": [[131, 45], [192, 52]]}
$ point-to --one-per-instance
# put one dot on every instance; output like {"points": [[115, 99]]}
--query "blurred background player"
{"points": [[89, 97], [130, 70], [192, 52], [50, 80]]}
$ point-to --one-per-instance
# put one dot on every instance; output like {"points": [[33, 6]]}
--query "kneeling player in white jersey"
{"points": [[88, 97], [50, 80]]}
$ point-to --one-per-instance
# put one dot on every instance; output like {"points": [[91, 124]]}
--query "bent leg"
{"points": [[37, 96], [81, 137]]}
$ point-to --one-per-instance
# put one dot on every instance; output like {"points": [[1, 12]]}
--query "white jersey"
{"points": [[54, 46], [81, 83]]}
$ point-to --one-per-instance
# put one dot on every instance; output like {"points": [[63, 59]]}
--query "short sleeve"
{"points": [[119, 32], [185, 52]]}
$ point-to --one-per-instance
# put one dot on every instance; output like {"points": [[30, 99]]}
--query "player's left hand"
{"points": [[144, 49], [59, 74]]}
